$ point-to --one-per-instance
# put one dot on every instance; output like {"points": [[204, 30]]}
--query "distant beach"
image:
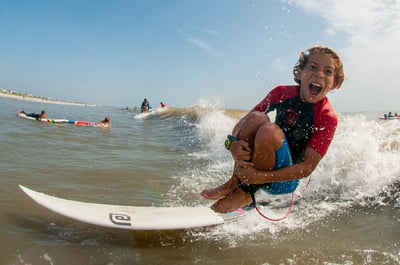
{"points": [[7, 93]]}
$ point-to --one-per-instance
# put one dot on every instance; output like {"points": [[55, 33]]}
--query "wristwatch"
{"points": [[229, 140]]}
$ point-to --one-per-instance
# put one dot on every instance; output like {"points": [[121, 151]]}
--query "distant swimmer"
{"points": [[37, 116], [145, 106], [104, 123], [163, 105], [390, 116]]}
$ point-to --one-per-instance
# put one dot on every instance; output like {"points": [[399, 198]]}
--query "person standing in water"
{"points": [[145, 106]]}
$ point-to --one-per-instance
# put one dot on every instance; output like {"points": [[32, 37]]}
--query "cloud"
{"points": [[202, 44], [211, 31], [354, 17], [371, 30]]}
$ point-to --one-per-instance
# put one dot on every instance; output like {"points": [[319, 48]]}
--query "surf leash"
{"points": [[253, 197], [269, 218]]}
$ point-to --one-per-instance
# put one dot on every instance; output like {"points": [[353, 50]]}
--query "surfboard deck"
{"points": [[132, 217]]}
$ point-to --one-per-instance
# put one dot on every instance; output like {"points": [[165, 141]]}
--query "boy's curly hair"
{"points": [[303, 59]]}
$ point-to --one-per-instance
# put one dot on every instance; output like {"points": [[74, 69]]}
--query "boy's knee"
{"points": [[269, 129], [256, 119], [257, 116], [271, 133]]}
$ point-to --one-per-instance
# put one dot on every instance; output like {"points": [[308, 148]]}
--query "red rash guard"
{"points": [[304, 124]]}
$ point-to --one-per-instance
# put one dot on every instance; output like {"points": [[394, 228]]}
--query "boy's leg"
{"points": [[222, 190], [268, 140], [248, 132]]}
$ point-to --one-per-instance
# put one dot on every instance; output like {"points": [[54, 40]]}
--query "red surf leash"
{"points": [[273, 219], [253, 197]]}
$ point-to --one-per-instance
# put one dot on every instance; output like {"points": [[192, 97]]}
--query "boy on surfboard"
{"points": [[37, 116], [274, 156], [106, 123]]}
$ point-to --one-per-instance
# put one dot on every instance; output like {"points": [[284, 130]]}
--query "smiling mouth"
{"points": [[315, 89]]}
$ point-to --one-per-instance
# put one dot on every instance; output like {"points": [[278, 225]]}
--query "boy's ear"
{"points": [[335, 85], [297, 73]]}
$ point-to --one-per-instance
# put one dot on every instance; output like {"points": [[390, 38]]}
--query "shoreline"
{"points": [[17, 96]]}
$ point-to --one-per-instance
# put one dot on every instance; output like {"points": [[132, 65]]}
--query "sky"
{"points": [[229, 53]]}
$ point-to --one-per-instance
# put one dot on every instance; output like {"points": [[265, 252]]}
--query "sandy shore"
{"points": [[41, 100]]}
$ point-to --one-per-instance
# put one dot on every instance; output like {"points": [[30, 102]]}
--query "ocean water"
{"points": [[348, 214]]}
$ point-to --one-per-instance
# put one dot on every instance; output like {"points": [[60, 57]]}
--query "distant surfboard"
{"points": [[144, 115], [151, 112], [132, 217], [84, 123], [391, 118], [22, 115]]}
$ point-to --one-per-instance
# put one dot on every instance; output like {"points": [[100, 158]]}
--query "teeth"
{"points": [[315, 84]]}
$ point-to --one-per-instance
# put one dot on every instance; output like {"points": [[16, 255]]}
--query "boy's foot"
{"points": [[231, 202], [220, 191], [213, 194]]}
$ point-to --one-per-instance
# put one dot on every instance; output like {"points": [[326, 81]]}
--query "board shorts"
{"points": [[283, 159]]}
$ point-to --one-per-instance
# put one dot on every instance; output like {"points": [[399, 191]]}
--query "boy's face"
{"points": [[317, 77]]}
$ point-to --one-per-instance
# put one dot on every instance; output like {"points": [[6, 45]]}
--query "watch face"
{"points": [[227, 143], [231, 138]]}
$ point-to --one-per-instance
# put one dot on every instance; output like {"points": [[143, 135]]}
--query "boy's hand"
{"points": [[240, 150], [244, 171]]}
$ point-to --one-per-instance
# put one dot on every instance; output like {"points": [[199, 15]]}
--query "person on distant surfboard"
{"points": [[104, 123], [37, 116], [145, 106], [275, 156]]}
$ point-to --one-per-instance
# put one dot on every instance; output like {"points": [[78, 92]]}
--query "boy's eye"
{"points": [[329, 71], [313, 67]]}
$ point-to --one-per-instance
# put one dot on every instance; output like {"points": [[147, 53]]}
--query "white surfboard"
{"points": [[150, 113], [131, 217], [49, 120]]}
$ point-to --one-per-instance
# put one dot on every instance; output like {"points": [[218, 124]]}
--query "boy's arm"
{"points": [[249, 175]]}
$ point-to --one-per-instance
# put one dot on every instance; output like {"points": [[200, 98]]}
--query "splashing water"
{"points": [[358, 171]]}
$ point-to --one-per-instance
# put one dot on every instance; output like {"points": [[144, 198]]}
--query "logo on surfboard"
{"points": [[120, 219]]}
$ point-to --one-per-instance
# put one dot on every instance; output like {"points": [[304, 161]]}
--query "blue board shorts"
{"points": [[283, 159]]}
